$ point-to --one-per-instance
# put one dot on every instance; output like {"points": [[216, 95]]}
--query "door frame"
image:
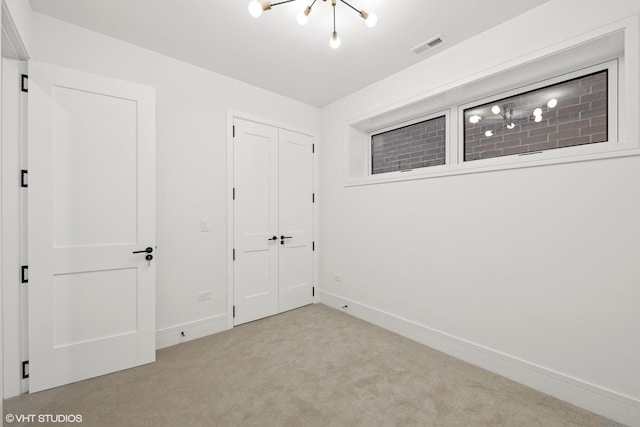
{"points": [[14, 237], [10, 286], [231, 115]]}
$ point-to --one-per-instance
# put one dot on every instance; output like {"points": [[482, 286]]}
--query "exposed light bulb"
{"points": [[334, 42], [511, 125], [475, 119], [538, 119], [372, 20], [537, 112], [495, 109], [302, 18], [488, 133], [552, 103], [255, 8]]}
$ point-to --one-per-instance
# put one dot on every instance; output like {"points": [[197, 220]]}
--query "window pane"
{"points": [[566, 114], [410, 147]]}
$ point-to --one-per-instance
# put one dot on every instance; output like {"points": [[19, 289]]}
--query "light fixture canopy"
{"points": [[371, 19]]}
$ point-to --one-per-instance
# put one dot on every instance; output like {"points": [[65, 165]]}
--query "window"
{"points": [[413, 146], [576, 103], [570, 113]]}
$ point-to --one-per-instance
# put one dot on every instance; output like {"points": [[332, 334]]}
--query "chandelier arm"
{"points": [[281, 2], [512, 110], [350, 6], [334, 19], [513, 114]]}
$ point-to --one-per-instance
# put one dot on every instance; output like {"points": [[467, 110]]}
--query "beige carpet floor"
{"points": [[313, 366]]}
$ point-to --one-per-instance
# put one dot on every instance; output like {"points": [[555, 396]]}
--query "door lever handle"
{"points": [[284, 237], [148, 250], [273, 238]]}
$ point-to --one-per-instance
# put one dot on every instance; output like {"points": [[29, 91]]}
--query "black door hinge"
{"points": [[24, 83], [234, 311], [234, 131], [313, 291], [234, 193], [24, 178], [25, 274], [313, 197], [313, 148], [234, 254], [25, 369], [313, 246]]}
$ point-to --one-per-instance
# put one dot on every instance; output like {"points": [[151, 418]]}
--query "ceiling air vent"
{"points": [[429, 44]]}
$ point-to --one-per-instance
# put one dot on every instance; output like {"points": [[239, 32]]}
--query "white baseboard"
{"points": [[616, 406], [192, 330]]}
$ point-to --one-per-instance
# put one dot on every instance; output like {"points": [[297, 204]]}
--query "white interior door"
{"points": [[255, 180], [91, 205], [273, 220], [296, 220]]}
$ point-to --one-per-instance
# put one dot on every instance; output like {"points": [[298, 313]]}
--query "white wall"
{"points": [[532, 272], [191, 116], [20, 14]]}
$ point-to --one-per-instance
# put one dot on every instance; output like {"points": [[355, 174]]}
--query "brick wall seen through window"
{"points": [[410, 147], [561, 115]]}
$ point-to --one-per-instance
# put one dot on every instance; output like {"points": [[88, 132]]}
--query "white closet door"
{"points": [[255, 153], [91, 205], [296, 220]]}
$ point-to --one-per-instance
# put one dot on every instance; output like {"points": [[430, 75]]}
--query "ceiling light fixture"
{"points": [[510, 116], [371, 19]]}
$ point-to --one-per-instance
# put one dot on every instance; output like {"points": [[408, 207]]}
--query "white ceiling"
{"points": [[274, 52]]}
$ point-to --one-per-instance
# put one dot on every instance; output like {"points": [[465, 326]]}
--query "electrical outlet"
{"points": [[337, 277], [204, 295], [204, 225]]}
